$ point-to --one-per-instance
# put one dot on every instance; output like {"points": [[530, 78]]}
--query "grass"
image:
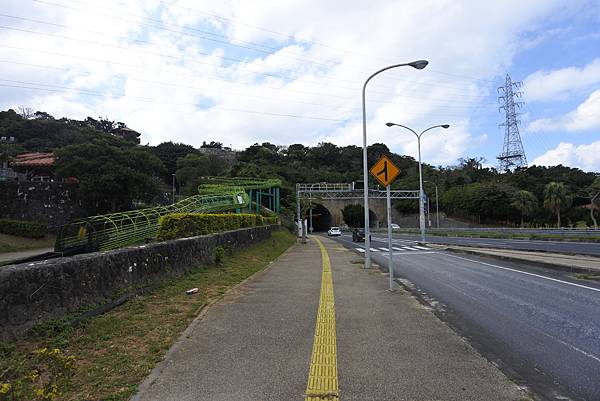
{"points": [[116, 351], [587, 276], [11, 243]]}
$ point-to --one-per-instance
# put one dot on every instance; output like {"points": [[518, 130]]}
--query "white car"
{"points": [[395, 227], [334, 232]]}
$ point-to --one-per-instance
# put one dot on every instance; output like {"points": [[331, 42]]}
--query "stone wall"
{"points": [[31, 293], [50, 203]]}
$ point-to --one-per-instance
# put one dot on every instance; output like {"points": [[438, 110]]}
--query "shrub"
{"points": [[183, 225], [219, 254], [22, 228]]}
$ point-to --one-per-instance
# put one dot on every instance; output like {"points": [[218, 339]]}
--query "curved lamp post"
{"points": [[421, 212], [419, 65]]}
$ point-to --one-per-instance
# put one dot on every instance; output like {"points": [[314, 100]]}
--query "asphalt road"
{"points": [[571, 247], [541, 327]]}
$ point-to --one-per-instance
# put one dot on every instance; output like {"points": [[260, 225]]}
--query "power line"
{"points": [[181, 30], [442, 104]]}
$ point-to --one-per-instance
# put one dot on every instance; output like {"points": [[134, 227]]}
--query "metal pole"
{"points": [[437, 208], [389, 231], [366, 181], [310, 229], [419, 65], [173, 188], [421, 205], [297, 208]]}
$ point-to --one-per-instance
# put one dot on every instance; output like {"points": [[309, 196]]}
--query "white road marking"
{"points": [[395, 248], [420, 247], [360, 250], [409, 248], [384, 249], [374, 250], [527, 273]]}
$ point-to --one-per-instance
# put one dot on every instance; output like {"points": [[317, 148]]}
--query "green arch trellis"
{"points": [[216, 194]]}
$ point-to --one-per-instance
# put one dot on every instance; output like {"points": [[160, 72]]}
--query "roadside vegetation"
{"points": [[504, 235], [116, 173], [107, 357]]}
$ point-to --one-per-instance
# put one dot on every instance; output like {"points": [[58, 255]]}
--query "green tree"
{"points": [[169, 152], [592, 193], [525, 202], [110, 177], [557, 199], [354, 215], [189, 171]]}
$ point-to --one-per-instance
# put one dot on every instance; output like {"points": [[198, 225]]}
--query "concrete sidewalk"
{"points": [[256, 343]]}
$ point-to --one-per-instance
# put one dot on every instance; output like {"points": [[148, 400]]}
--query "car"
{"points": [[358, 235], [334, 232], [395, 227]]}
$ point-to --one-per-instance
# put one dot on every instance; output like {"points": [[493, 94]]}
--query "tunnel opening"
{"points": [[321, 219]]}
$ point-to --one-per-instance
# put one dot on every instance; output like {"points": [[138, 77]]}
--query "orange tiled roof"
{"points": [[34, 159]]}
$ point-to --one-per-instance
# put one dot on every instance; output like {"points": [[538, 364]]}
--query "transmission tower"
{"points": [[512, 155]]}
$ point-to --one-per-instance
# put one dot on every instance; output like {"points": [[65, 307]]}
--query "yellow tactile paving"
{"points": [[322, 377]]}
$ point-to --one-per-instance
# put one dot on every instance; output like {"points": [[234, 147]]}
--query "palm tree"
{"points": [[525, 202], [556, 198]]}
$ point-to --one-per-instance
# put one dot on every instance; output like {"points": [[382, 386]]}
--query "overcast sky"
{"points": [[291, 71]]}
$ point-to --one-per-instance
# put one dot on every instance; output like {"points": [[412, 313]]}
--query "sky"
{"points": [[292, 71]]}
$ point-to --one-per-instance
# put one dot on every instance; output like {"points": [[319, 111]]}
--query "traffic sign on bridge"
{"points": [[385, 171]]}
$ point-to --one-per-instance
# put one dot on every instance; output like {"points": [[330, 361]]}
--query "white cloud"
{"points": [[586, 157], [190, 88], [547, 85], [585, 117]]}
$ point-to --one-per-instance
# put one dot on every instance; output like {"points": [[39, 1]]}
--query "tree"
{"points": [[212, 145], [189, 171], [169, 153], [593, 194], [354, 215], [525, 202], [26, 113], [110, 177], [557, 198]]}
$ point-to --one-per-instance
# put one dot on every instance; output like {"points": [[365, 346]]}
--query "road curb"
{"points": [[552, 266]]}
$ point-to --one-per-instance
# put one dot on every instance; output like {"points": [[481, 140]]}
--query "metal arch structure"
{"points": [[323, 190], [116, 230]]}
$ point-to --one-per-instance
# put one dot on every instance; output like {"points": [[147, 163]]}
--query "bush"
{"points": [[183, 225], [22, 228]]}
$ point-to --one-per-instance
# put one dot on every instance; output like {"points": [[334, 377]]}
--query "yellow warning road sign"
{"points": [[385, 171]]}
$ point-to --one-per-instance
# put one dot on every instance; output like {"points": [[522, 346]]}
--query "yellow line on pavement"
{"points": [[323, 376]]}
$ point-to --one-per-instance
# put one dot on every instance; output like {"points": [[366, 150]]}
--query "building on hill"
{"points": [[34, 166], [127, 133], [224, 153]]}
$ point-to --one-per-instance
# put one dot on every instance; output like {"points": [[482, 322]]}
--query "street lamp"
{"points": [[437, 205], [421, 212], [419, 65]]}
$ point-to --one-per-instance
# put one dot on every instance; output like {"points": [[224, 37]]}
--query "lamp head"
{"points": [[389, 124], [445, 126], [419, 64]]}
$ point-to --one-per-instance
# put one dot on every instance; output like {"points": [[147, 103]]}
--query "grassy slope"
{"points": [[116, 351]]}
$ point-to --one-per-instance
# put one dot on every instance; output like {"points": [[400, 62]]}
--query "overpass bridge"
{"points": [[331, 198]]}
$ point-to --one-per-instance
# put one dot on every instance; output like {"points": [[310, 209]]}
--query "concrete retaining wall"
{"points": [[31, 293]]}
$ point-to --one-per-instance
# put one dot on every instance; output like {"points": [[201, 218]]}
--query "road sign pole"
{"points": [[389, 229]]}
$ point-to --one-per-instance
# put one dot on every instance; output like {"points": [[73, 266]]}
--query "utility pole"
{"points": [[513, 154], [173, 188]]}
